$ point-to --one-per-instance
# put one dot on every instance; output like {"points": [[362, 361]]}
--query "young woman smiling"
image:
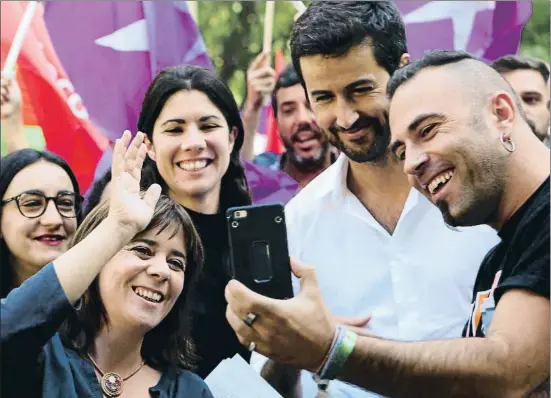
{"points": [[39, 213], [195, 133]]}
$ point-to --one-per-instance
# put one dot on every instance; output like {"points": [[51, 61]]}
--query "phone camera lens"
{"points": [[235, 224], [278, 219]]}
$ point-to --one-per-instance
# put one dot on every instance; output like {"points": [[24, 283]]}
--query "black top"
{"points": [[214, 338], [520, 260]]}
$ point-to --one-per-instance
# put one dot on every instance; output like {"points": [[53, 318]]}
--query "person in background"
{"points": [[99, 192], [260, 84], [194, 134], [40, 209], [121, 311], [11, 115], [377, 244], [529, 77], [500, 177], [307, 151]]}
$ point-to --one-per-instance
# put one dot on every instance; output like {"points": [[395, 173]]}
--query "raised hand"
{"points": [[296, 332], [261, 80], [10, 98], [128, 208]]}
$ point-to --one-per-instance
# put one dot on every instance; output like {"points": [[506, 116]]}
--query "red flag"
{"points": [[50, 99], [273, 140]]}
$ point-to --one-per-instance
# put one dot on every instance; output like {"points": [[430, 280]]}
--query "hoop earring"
{"points": [[507, 143]]}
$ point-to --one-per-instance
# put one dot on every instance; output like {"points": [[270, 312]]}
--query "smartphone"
{"points": [[259, 255]]}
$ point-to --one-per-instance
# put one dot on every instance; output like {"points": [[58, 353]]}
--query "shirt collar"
{"points": [[336, 188]]}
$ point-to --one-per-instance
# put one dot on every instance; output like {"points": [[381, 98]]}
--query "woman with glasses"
{"points": [[194, 133], [121, 296], [39, 213]]}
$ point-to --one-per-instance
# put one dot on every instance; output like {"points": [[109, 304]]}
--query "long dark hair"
{"points": [[234, 188], [169, 343], [10, 166]]}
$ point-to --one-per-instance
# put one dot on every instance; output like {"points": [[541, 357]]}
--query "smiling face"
{"points": [[191, 145], [140, 284], [304, 142], [349, 101], [34, 242], [450, 147], [534, 97]]}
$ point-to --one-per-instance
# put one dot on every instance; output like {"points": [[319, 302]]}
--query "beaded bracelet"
{"points": [[342, 347]]}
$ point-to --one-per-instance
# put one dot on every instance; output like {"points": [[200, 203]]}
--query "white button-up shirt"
{"points": [[416, 283]]}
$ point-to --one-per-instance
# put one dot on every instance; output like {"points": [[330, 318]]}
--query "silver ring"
{"points": [[507, 143], [252, 346], [249, 320]]}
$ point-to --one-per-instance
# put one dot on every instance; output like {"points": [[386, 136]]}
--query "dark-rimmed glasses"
{"points": [[33, 204]]}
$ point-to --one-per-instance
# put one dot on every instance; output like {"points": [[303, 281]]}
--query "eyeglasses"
{"points": [[33, 204]]}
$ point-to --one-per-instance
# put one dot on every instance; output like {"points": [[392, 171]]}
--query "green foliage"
{"points": [[233, 32], [535, 36]]}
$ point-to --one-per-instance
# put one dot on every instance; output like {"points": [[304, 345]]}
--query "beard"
{"points": [[481, 190], [542, 133], [312, 163], [365, 149], [307, 163]]}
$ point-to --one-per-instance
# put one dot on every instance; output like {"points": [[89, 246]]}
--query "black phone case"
{"points": [[258, 249]]}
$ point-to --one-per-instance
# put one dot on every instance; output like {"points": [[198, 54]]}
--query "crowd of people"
{"points": [[419, 239]]}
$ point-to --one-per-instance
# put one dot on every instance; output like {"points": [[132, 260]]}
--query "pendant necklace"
{"points": [[112, 383]]}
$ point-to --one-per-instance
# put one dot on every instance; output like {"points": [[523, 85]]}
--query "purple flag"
{"points": [[486, 29], [112, 51], [269, 186]]}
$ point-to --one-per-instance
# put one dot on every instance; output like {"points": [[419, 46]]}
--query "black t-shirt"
{"points": [[519, 261], [214, 338]]}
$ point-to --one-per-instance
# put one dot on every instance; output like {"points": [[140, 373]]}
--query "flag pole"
{"points": [[299, 6], [193, 8], [268, 34], [268, 27], [15, 49]]}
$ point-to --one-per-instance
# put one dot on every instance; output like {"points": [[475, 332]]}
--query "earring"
{"points": [[507, 142]]}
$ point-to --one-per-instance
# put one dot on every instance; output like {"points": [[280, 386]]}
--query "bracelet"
{"points": [[335, 337], [343, 346]]}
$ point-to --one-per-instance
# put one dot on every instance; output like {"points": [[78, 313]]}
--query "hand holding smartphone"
{"points": [[258, 249]]}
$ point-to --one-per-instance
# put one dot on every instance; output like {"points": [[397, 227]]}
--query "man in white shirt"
{"points": [[380, 248]]}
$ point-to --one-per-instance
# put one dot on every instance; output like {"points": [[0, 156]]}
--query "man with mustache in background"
{"points": [[377, 245], [307, 152]]}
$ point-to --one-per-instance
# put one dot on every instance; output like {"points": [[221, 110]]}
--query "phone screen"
{"points": [[261, 263]]}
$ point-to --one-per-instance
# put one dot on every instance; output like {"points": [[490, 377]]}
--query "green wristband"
{"points": [[337, 359]]}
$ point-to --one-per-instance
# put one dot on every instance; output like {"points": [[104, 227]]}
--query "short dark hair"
{"points": [[482, 83], [10, 166], [287, 78], [332, 28], [169, 343], [431, 58], [235, 189], [511, 63]]}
